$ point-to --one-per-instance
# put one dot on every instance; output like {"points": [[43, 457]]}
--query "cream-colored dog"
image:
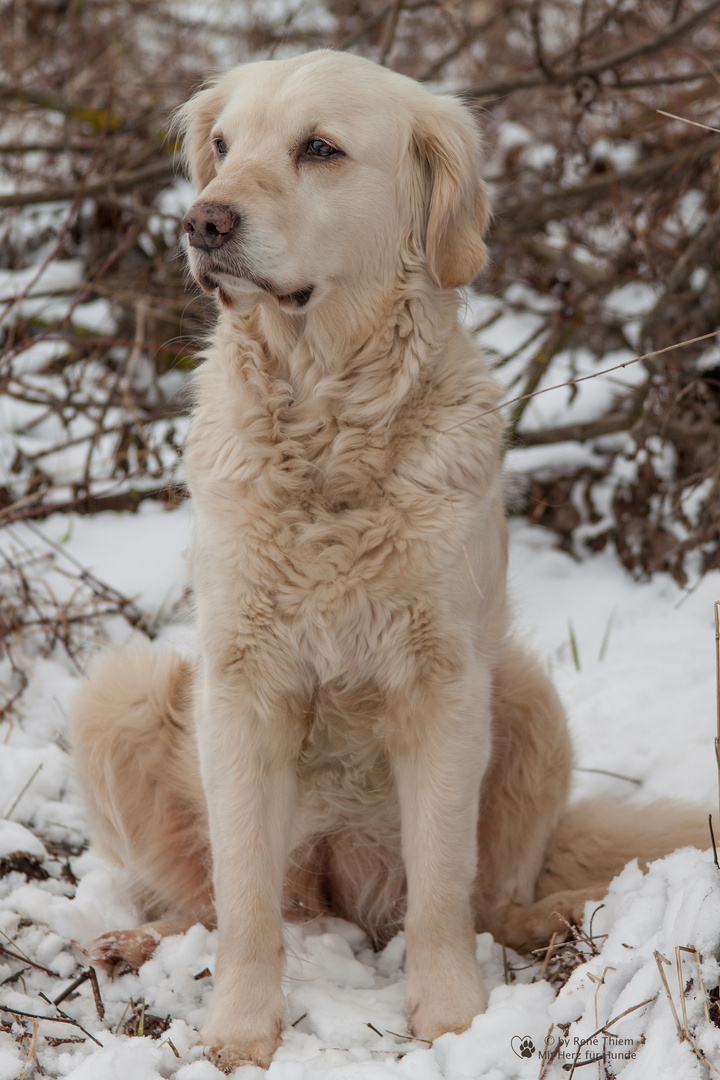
{"points": [[359, 735]]}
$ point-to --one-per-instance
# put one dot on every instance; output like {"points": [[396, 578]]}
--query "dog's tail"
{"points": [[135, 756], [596, 838]]}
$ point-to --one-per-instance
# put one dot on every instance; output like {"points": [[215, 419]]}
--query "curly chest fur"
{"points": [[344, 499], [319, 495]]}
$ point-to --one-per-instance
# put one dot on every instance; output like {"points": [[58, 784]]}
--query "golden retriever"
{"points": [[359, 735]]}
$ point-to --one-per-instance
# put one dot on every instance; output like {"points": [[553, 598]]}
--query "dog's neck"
{"points": [[367, 353]]}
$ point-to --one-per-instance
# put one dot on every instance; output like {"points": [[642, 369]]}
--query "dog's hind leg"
{"points": [[523, 795], [135, 755], [540, 861], [596, 838], [591, 844]]}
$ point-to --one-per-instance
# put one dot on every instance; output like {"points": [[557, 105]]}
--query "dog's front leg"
{"points": [[248, 753], [440, 750]]}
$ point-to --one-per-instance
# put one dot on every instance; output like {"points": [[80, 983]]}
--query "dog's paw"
{"points": [[254, 1050], [557, 915], [444, 1009], [121, 951]]}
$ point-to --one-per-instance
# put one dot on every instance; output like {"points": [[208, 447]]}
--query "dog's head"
{"points": [[319, 172]]}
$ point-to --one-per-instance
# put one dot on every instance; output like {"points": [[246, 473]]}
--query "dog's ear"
{"points": [[193, 122], [447, 142]]}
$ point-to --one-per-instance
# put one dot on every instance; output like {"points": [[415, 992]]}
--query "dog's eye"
{"points": [[220, 146], [319, 148]]}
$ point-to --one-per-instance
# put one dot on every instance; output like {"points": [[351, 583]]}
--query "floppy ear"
{"points": [[457, 212], [194, 121]]}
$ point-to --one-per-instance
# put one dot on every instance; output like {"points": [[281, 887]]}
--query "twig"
{"points": [[69, 1019], [408, 1038], [89, 975], [574, 646], [31, 1052], [685, 120], [682, 269], [130, 1005], [548, 953], [89, 147], [460, 45], [20, 794], [712, 838], [603, 649], [122, 181], [60, 239], [608, 772], [100, 119], [366, 27], [520, 214], [660, 960], [172, 1046], [583, 378], [595, 68], [681, 990], [62, 1019], [131, 612], [660, 80], [579, 934], [390, 29], [600, 907], [604, 1030], [26, 960], [540, 58], [684, 1033], [86, 503], [556, 340], [90, 340], [598, 983], [547, 1059], [717, 692], [686, 948], [611, 424]]}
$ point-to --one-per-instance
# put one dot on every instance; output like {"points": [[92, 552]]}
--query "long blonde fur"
{"points": [[359, 736]]}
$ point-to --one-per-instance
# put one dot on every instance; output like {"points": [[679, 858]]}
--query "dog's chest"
{"points": [[339, 548], [313, 501], [320, 531]]}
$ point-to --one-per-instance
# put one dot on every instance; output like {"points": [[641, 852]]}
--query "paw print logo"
{"points": [[523, 1046]]}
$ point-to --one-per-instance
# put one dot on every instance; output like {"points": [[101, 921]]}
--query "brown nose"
{"points": [[209, 225]]}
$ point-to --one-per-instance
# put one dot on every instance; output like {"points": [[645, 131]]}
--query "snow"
{"points": [[15, 837], [641, 702]]}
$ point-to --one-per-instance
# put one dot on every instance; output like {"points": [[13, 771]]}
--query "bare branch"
{"points": [[122, 181], [100, 119], [390, 29], [591, 429], [594, 68], [513, 215]]}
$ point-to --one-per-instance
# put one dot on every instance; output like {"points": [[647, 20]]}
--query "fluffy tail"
{"points": [[596, 838], [136, 758]]}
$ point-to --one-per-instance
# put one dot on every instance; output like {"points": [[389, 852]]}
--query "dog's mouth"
{"points": [[225, 282]]}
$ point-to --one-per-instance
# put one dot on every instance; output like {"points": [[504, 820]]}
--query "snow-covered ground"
{"points": [[639, 685]]}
